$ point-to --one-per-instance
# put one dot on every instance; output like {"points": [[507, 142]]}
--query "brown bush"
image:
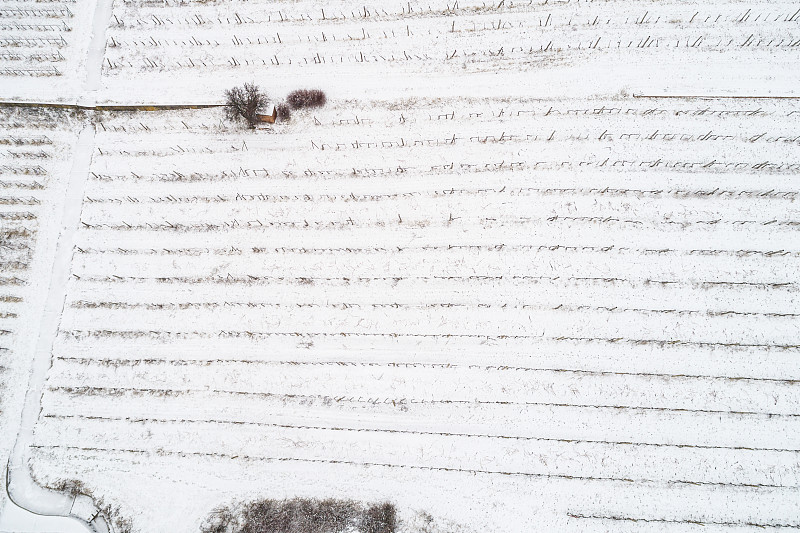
{"points": [[379, 518], [218, 521], [284, 112], [301, 515], [303, 98]]}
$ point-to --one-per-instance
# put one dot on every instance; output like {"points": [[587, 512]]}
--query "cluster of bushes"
{"points": [[301, 515], [244, 103]]}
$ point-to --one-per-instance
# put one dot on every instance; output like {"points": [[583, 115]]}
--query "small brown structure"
{"points": [[269, 119]]}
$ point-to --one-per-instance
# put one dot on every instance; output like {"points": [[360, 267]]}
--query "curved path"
{"points": [[49, 513], [22, 490], [31, 505]]}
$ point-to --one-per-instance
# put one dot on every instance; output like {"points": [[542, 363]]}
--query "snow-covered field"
{"points": [[476, 294], [43, 48], [498, 280], [164, 50], [35, 159]]}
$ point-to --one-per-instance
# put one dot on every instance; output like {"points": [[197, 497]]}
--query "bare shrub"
{"points": [[73, 487], [219, 521], [302, 515], [112, 513], [284, 112], [379, 518], [244, 102], [303, 98]]}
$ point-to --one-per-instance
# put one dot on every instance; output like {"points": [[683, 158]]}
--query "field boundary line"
{"points": [[228, 334], [715, 97], [347, 280], [162, 452], [145, 420], [111, 391], [407, 364], [473, 247], [109, 107], [674, 521], [213, 304]]}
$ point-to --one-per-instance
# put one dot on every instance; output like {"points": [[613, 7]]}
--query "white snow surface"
{"points": [[534, 267]]}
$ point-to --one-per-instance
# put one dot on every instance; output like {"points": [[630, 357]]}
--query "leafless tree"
{"points": [[244, 102]]}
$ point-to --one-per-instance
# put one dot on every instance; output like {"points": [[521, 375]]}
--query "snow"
{"points": [[532, 268], [21, 521], [47, 189]]}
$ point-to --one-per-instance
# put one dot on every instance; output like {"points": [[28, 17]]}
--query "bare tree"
{"points": [[243, 102]]}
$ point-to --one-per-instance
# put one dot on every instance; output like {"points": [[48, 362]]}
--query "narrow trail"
{"points": [[96, 53], [51, 508], [22, 489]]}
